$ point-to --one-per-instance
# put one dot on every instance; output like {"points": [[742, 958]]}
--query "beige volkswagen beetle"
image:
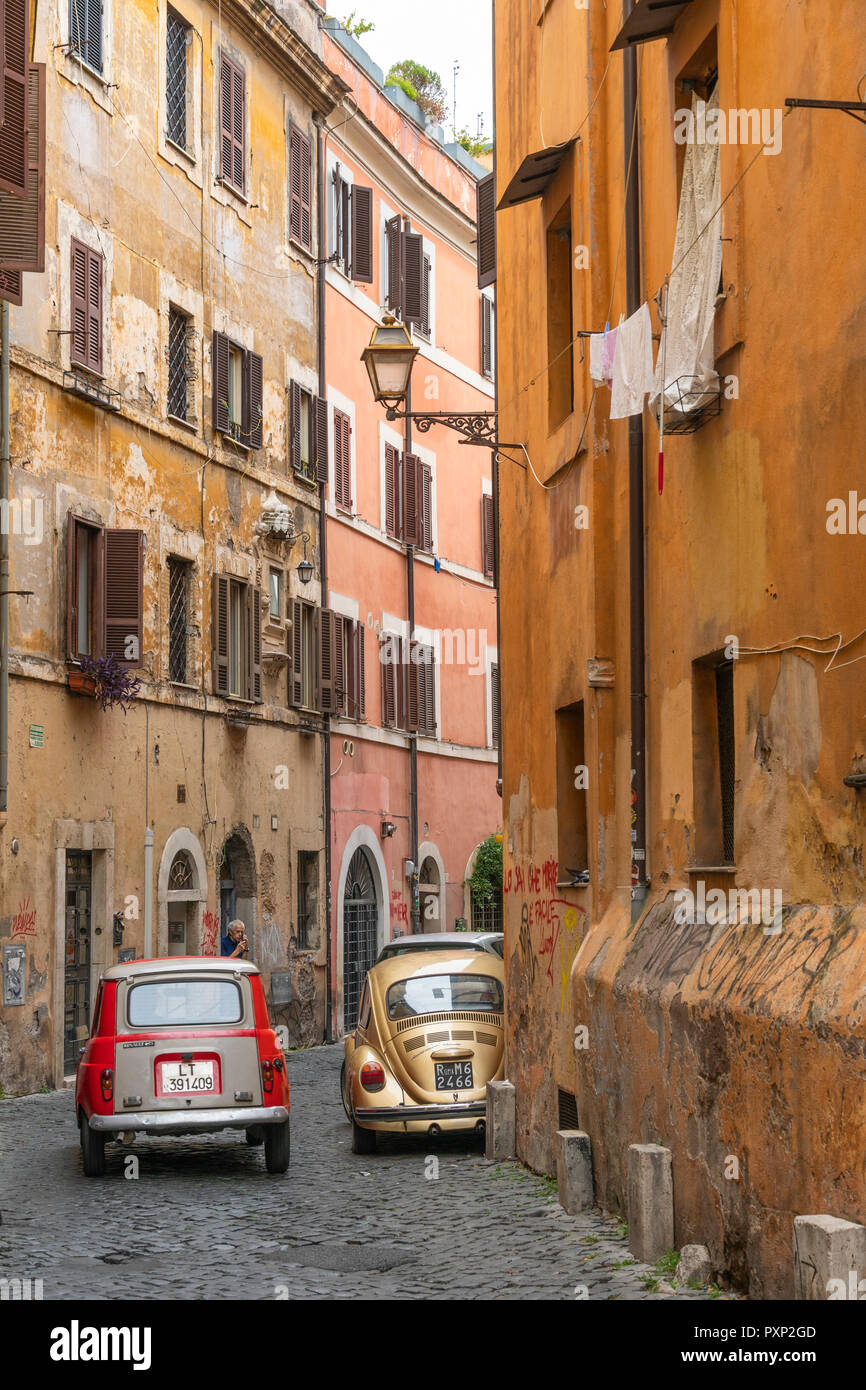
{"points": [[428, 1040]]}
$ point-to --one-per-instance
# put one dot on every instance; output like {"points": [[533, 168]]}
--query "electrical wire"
{"points": [[799, 644]]}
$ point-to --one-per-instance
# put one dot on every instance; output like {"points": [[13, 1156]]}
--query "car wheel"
{"points": [[277, 1148], [343, 1092], [254, 1137], [363, 1140], [92, 1149]]}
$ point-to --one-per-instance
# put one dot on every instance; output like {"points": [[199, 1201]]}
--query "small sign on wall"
{"points": [[14, 959], [281, 988]]}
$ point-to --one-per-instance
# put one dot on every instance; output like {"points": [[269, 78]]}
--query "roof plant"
{"points": [[421, 85]]}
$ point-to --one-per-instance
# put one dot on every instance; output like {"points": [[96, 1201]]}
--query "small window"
{"points": [[488, 534], [713, 759], [488, 337], [304, 651], [104, 603], [84, 552], [560, 330], [276, 583], [179, 325], [237, 392], [308, 899], [236, 633], [366, 1006], [85, 32], [572, 777], [178, 37], [308, 439], [179, 585]]}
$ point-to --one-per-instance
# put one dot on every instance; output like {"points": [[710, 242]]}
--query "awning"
{"points": [[650, 19], [534, 175]]}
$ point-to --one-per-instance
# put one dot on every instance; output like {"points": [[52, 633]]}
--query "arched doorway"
{"points": [[237, 881], [429, 894], [181, 895], [360, 932]]}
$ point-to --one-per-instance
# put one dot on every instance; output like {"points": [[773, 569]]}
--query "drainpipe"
{"points": [[637, 555], [148, 844], [323, 556], [4, 560], [415, 906]]}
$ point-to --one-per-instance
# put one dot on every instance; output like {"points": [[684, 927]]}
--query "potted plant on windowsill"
{"points": [[107, 681], [80, 682]]}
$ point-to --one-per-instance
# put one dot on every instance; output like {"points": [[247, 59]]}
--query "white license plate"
{"points": [[178, 1078]]}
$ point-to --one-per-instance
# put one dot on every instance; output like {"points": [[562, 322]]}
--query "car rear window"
{"points": [[441, 994], [176, 1003]]}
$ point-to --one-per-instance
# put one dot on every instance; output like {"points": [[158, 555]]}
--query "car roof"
{"points": [[401, 966], [427, 940], [181, 965]]}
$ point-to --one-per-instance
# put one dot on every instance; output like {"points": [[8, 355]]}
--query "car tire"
{"points": [[277, 1148], [343, 1095], [363, 1140], [92, 1149], [254, 1137]]}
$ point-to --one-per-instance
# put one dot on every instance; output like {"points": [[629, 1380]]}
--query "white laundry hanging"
{"points": [[632, 365]]}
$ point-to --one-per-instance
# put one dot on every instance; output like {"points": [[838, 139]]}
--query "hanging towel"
{"points": [[608, 353], [688, 340], [632, 365], [596, 356]]}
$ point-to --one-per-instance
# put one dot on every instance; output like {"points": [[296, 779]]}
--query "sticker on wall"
{"points": [[13, 974], [37, 736]]}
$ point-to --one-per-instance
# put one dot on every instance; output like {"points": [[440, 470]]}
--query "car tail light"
{"points": [[372, 1076], [106, 1081], [268, 1074]]}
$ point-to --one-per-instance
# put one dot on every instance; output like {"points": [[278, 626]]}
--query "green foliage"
{"points": [[485, 881], [357, 27], [471, 144], [424, 86]]}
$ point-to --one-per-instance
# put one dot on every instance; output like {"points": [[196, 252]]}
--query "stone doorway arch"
{"points": [[236, 869], [181, 893], [431, 888]]}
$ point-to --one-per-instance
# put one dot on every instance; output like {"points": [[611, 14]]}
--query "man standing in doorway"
{"points": [[235, 943]]}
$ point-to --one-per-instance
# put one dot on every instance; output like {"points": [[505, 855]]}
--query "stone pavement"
{"points": [[204, 1220]]}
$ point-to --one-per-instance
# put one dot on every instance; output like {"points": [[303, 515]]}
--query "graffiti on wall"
{"points": [[209, 931], [24, 921], [549, 939], [399, 914]]}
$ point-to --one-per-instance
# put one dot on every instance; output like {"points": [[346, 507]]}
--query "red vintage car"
{"points": [[182, 1045]]}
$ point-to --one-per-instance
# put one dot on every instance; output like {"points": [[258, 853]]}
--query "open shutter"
{"points": [[486, 336], [295, 424], [94, 311], [226, 145], [15, 33], [253, 424], [362, 235], [71, 589], [296, 675], [413, 277], [342, 676], [361, 675], [219, 660], [239, 132], [220, 383], [486, 231], [411, 669], [487, 534], [394, 242], [254, 630], [426, 528], [424, 324], [295, 182], [93, 54], [495, 708], [389, 672], [426, 691], [321, 440], [22, 221], [392, 492], [327, 691], [306, 158], [124, 569], [79, 303], [412, 500]]}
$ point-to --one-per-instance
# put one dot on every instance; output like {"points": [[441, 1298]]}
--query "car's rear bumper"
{"points": [[189, 1121], [457, 1110]]}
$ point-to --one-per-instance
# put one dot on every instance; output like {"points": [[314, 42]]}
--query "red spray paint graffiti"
{"points": [[555, 918], [209, 930], [24, 921]]}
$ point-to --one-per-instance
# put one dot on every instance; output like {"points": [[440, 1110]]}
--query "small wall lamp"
{"points": [[388, 828]]}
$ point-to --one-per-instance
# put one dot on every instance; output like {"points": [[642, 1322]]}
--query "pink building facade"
{"points": [[409, 533]]}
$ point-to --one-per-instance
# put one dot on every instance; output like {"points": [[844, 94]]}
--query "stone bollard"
{"points": [[829, 1258], [650, 1202], [501, 1132], [574, 1170]]}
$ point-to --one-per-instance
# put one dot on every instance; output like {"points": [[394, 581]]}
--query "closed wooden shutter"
{"points": [[361, 678], [124, 570], [362, 235], [394, 243], [427, 692], [392, 492], [294, 183], [22, 220], [412, 499], [306, 156], [85, 31], [295, 424], [232, 122], [342, 460], [220, 382], [296, 673], [342, 675], [219, 661], [253, 422], [15, 34], [486, 231], [254, 631], [486, 336], [487, 534], [495, 709], [86, 339], [424, 321], [11, 285], [321, 440], [327, 661], [94, 311], [388, 667], [411, 652], [426, 528], [413, 277]]}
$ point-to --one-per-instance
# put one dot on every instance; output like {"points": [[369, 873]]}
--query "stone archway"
{"points": [[361, 836], [431, 888], [236, 874], [181, 891]]}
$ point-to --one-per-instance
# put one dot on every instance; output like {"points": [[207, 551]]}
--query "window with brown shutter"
{"points": [[327, 662], [85, 31], [84, 589], [232, 123], [14, 115], [421, 689], [486, 230], [253, 424], [220, 634], [124, 569], [413, 277], [104, 592], [86, 339], [300, 186], [308, 433], [488, 537], [342, 460], [388, 666], [22, 220], [486, 336], [236, 638], [254, 635], [412, 500], [425, 537], [360, 672], [362, 235], [321, 439], [393, 514], [394, 244], [237, 385]]}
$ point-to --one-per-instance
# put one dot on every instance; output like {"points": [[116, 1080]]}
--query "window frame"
{"points": [[175, 313], [172, 16], [235, 71], [93, 316], [307, 913], [74, 51], [186, 567]]}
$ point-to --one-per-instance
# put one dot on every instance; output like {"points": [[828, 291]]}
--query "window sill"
{"points": [[295, 245], [91, 72], [238, 193], [184, 685], [188, 155], [301, 477], [344, 510], [184, 424], [711, 868]]}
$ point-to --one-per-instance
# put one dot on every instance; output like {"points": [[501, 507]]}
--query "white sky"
{"points": [[435, 33]]}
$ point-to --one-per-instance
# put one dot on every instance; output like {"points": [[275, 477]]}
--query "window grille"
{"points": [[176, 43], [178, 365], [178, 610]]}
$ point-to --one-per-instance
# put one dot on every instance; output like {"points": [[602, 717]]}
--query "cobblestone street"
{"points": [[204, 1220]]}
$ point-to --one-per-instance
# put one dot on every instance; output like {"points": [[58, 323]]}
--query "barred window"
{"points": [[179, 584], [308, 891], [178, 364], [85, 31], [177, 40]]}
